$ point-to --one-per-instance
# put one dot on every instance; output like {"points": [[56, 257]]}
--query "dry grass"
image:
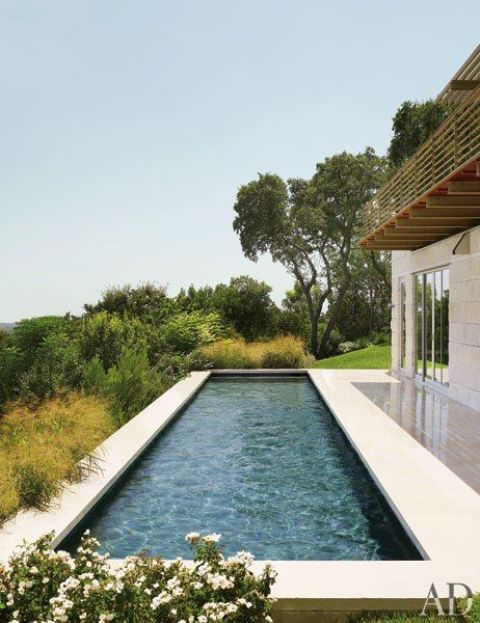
{"points": [[40, 448], [280, 352]]}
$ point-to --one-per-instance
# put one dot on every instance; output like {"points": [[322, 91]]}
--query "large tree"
{"points": [[412, 124], [311, 227]]}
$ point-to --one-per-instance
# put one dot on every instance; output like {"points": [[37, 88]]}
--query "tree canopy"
{"points": [[413, 124], [310, 226]]}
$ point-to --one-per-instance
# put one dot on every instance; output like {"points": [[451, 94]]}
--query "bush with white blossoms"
{"points": [[39, 585]]}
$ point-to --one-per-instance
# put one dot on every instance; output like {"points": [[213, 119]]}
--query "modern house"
{"points": [[428, 216]]}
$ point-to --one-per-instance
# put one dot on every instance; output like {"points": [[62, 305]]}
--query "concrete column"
{"points": [[395, 324]]}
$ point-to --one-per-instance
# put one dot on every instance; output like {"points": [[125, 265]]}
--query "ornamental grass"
{"points": [[280, 352], [41, 448]]}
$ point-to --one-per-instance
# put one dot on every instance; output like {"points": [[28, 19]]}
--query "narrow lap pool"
{"points": [[263, 462]]}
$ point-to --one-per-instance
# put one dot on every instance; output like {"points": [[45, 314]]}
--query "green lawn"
{"points": [[372, 357]]}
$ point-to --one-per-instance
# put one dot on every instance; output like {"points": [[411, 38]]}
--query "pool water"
{"points": [[263, 462]]}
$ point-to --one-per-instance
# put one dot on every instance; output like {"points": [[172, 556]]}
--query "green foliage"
{"points": [[141, 590], [186, 331], [105, 335], [381, 337], [413, 124], [147, 301], [29, 335], [311, 227], [366, 306], [11, 367], [94, 376], [37, 358], [263, 220], [246, 305], [33, 489], [57, 366], [130, 385]]}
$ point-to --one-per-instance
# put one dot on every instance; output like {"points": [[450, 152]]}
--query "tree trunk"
{"points": [[332, 321], [313, 323]]}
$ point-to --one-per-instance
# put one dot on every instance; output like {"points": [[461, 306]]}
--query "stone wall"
{"points": [[464, 309]]}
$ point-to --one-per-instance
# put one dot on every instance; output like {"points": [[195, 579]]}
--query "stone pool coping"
{"points": [[439, 511]]}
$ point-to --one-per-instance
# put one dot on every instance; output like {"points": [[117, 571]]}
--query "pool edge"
{"points": [[434, 505]]}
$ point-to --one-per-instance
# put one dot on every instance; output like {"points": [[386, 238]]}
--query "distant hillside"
{"points": [[7, 326]]}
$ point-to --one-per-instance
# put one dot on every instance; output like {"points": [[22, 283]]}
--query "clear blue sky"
{"points": [[128, 126]]}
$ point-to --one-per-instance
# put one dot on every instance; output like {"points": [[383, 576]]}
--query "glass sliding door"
{"points": [[437, 327], [429, 323], [445, 325], [403, 329], [420, 324], [432, 325]]}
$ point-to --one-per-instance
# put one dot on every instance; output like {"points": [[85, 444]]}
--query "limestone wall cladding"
{"points": [[464, 311]]}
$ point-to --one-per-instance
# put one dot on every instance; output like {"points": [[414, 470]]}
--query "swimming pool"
{"points": [[262, 461]]}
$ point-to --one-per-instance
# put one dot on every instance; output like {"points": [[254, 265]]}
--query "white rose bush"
{"points": [[41, 585]]}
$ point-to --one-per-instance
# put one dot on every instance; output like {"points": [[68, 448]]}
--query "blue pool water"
{"points": [[262, 461]]}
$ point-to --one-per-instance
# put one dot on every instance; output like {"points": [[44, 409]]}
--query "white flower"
{"points": [[33, 570], [241, 558], [217, 580], [212, 538], [192, 537]]}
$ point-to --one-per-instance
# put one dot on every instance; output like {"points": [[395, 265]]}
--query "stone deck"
{"points": [[446, 428]]}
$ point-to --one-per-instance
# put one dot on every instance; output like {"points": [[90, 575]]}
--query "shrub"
{"points": [[28, 335], [381, 337], [11, 367], [187, 331], [40, 448], [281, 352], [131, 385], [334, 342], [94, 376], [146, 301], [229, 353], [347, 347], [363, 342], [57, 366], [105, 336], [37, 358], [42, 585]]}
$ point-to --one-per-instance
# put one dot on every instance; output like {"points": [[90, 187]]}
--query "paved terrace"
{"points": [[446, 428]]}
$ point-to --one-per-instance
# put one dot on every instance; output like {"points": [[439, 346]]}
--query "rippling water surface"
{"points": [[262, 462]]}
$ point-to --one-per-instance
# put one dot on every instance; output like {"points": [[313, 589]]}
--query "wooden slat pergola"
{"points": [[437, 192]]}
